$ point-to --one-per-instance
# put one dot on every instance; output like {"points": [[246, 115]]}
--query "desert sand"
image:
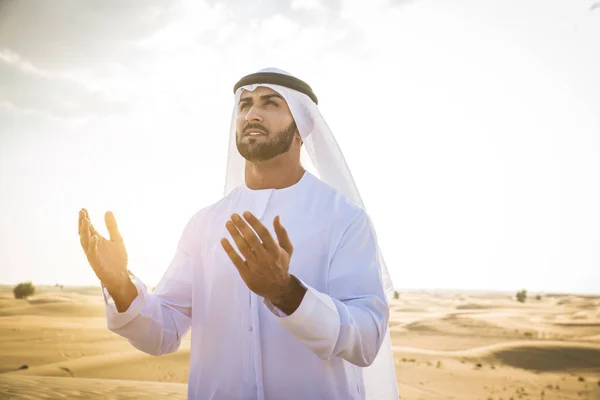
{"points": [[447, 345]]}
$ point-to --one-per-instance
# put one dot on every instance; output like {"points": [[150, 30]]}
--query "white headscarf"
{"points": [[330, 164]]}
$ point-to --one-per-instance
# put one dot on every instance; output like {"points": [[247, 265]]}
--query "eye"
{"points": [[243, 106], [273, 103]]}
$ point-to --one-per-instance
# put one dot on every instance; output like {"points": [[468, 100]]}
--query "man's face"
{"points": [[265, 127]]}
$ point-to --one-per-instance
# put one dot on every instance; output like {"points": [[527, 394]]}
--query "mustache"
{"points": [[257, 127]]}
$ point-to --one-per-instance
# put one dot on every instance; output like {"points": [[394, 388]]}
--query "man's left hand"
{"points": [[265, 266]]}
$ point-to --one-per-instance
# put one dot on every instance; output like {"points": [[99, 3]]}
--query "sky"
{"points": [[471, 127]]}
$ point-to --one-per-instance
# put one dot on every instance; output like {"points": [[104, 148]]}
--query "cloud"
{"points": [[71, 34], [322, 14], [245, 12], [276, 29], [25, 87], [52, 52], [70, 59], [402, 2]]}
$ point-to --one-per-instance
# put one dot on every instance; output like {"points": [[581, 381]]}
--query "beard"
{"points": [[272, 146]]}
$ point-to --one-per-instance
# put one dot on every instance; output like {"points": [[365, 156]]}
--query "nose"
{"points": [[253, 115]]}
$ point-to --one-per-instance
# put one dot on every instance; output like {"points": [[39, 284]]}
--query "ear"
{"points": [[298, 137]]}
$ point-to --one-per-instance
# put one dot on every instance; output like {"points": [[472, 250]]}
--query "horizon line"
{"points": [[398, 289]]}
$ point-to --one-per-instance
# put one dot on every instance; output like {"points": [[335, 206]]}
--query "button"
{"points": [[250, 329]]}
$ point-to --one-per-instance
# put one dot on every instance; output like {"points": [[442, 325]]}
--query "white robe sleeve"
{"points": [[156, 322], [351, 320]]}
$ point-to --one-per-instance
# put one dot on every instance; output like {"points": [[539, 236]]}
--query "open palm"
{"points": [[107, 257]]}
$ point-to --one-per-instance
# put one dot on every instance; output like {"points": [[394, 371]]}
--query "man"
{"points": [[281, 281]]}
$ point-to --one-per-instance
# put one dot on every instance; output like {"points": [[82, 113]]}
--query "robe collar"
{"points": [[295, 188]]}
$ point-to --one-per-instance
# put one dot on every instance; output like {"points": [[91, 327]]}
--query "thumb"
{"points": [[111, 225], [282, 236]]}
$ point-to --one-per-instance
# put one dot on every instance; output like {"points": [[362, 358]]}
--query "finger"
{"points": [[282, 236], [86, 215], [83, 227], [93, 230], [80, 224], [85, 238], [111, 225], [89, 231], [239, 240], [84, 234], [92, 251], [239, 263], [262, 231], [248, 234]]}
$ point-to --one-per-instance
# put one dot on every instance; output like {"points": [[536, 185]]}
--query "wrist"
{"points": [[123, 293], [118, 284], [290, 298], [283, 292]]}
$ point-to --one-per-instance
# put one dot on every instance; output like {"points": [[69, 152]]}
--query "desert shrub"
{"points": [[23, 290], [396, 295], [521, 295]]}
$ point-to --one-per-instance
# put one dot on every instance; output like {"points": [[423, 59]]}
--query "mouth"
{"points": [[254, 133]]}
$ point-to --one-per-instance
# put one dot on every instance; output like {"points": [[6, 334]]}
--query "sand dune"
{"points": [[544, 356], [40, 387], [53, 304], [497, 348], [131, 365], [530, 355], [477, 306], [446, 346]]}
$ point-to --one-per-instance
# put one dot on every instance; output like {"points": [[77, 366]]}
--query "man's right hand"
{"points": [[107, 257]]}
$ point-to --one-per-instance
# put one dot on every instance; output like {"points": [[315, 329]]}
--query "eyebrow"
{"points": [[263, 97]]}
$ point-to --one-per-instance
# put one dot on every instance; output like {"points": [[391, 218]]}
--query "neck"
{"points": [[277, 173]]}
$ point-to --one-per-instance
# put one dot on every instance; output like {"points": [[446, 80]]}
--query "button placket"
{"points": [[250, 310]]}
